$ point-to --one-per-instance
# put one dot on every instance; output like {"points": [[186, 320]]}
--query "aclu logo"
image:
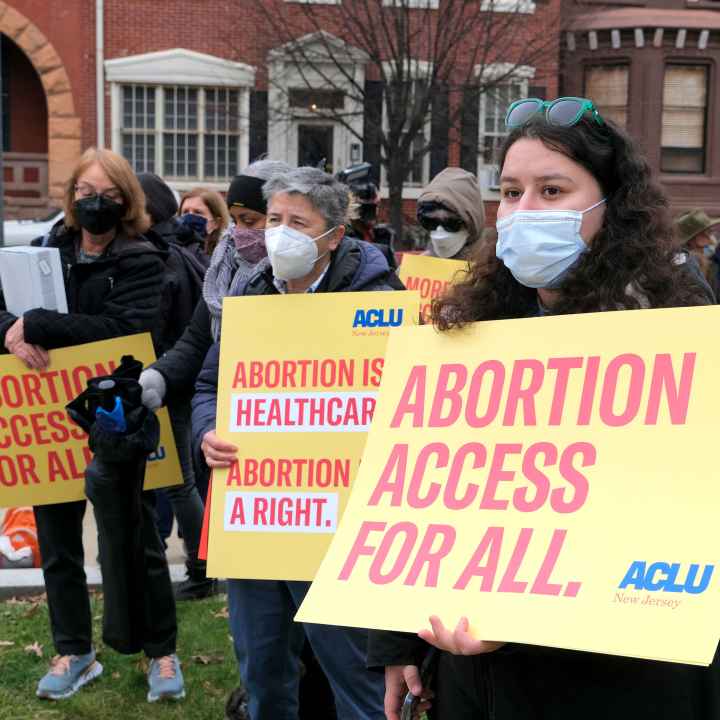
{"points": [[378, 318], [667, 577]]}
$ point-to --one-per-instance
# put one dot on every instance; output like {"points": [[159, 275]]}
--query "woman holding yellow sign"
{"points": [[113, 279], [582, 227]]}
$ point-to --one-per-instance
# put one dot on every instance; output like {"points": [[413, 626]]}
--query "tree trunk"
{"points": [[395, 175]]}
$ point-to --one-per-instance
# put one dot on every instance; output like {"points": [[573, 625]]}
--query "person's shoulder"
{"points": [[143, 247], [260, 281]]}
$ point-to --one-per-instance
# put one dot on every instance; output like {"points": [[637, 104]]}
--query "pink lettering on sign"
{"points": [[626, 389], [513, 477]]}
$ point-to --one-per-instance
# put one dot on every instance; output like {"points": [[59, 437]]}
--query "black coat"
{"points": [[118, 294], [183, 281], [526, 682], [180, 365]]}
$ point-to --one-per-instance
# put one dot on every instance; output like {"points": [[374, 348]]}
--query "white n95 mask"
{"points": [[540, 246], [292, 253], [447, 244]]}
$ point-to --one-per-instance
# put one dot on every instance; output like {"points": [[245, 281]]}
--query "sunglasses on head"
{"points": [[563, 112], [452, 225]]}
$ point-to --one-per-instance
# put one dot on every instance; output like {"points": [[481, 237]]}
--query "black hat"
{"points": [[159, 199], [246, 191]]}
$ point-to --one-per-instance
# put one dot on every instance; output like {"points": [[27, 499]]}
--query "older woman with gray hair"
{"points": [[307, 253]]}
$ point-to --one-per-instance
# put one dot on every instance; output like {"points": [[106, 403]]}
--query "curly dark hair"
{"points": [[631, 261]]}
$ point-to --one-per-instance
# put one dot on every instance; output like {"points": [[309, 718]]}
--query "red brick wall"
{"points": [[69, 26], [28, 109], [232, 29]]}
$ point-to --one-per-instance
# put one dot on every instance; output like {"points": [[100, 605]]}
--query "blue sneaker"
{"points": [[67, 674], [165, 679]]}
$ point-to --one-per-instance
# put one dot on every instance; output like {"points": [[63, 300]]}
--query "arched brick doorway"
{"points": [[64, 140]]}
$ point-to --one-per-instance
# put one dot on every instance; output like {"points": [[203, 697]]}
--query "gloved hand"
{"points": [[153, 388]]}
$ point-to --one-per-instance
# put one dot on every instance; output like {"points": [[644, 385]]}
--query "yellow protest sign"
{"points": [[430, 276], [298, 379], [552, 479], [43, 454]]}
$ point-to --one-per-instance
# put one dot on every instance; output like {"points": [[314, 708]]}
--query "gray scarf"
{"points": [[227, 273]]}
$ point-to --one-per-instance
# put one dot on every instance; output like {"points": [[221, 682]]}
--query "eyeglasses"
{"points": [[452, 225], [563, 112], [84, 190]]}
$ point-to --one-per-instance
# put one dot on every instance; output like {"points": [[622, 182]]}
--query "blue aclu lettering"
{"points": [[667, 577], [159, 454], [377, 318]]}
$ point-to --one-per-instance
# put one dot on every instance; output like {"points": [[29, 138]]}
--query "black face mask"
{"points": [[97, 214]]}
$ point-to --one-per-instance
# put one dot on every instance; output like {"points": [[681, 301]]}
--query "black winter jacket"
{"points": [[184, 275], [526, 682], [116, 295]]}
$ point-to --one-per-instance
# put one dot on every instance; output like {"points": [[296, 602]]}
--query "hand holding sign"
{"points": [[458, 641], [218, 453]]}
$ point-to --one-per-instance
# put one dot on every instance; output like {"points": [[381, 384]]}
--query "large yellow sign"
{"points": [[552, 479], [299, 375], [430, 276], [43, 454]]}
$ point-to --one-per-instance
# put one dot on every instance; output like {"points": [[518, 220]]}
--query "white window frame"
{"points": [[196, 70], [284, 75], [414, 70], [488, 173], [419, 4], [522, 7]]}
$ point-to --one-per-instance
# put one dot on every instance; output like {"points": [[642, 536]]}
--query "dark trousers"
{"points": [[139, 603], [60, 530], [269, 644], [186, 503]]}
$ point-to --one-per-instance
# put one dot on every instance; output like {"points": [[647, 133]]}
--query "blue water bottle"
{"points": [[110, 415]]}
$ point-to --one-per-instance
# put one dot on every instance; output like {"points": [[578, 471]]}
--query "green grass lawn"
{"points": [[204, 648]]}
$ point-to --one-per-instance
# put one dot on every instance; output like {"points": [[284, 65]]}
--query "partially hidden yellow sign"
{"points": [[552, 479], [43, 454], [430, 276], [299, 375]]}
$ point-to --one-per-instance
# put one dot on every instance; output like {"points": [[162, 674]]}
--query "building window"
{"points": [[607, 87], [683, 119], [494, 103], [314, 99], [184, 133]]}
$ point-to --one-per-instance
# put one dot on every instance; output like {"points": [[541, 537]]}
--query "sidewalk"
{"points": [[28, 582]]}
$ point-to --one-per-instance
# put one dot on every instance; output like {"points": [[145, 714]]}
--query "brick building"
{"points": [[653, 66], [189, 90]]}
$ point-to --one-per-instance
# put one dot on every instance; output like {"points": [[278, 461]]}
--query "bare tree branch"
{"points": [[422, 59]]}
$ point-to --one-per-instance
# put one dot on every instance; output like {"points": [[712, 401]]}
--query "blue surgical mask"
{"points": [[539, 247], [195, 222]]}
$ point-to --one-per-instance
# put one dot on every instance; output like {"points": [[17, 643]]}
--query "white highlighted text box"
{"points": [[295, 512], [302, 412]]}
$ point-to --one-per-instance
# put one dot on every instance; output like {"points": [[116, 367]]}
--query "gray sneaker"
{"points": [[165, 679], [67, 674]]}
